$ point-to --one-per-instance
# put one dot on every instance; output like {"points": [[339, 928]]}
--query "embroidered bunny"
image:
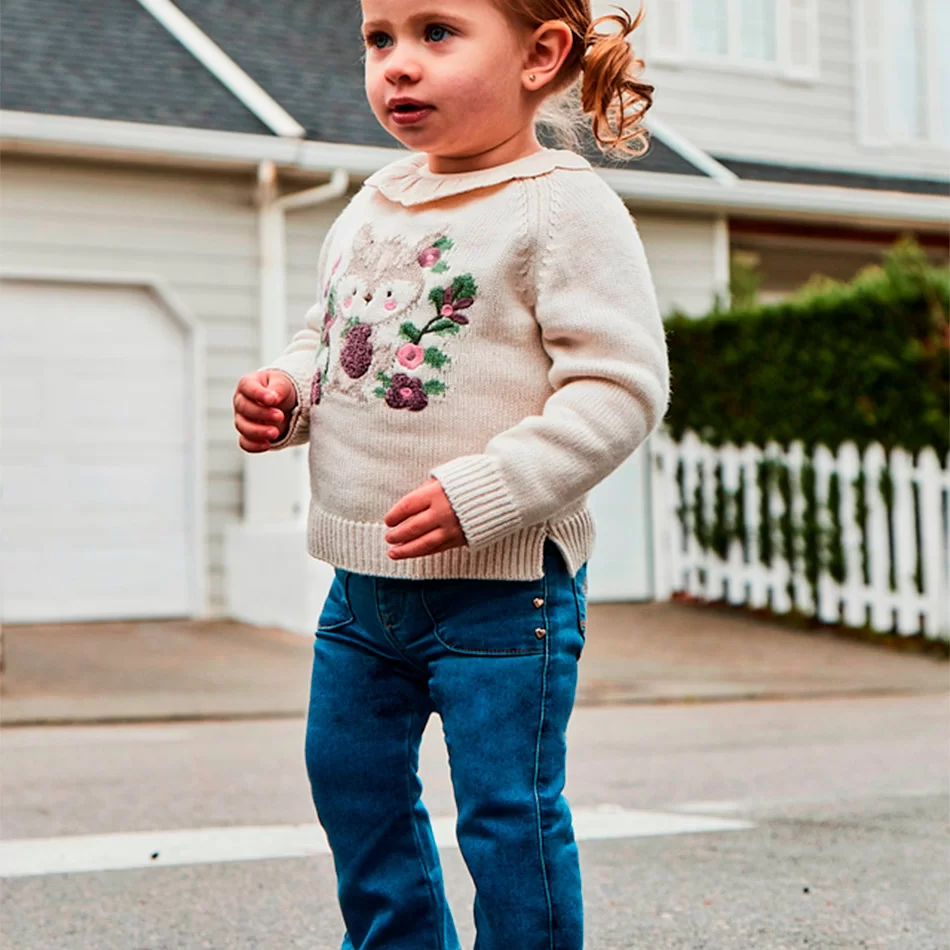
{"points": [[367, 341]]}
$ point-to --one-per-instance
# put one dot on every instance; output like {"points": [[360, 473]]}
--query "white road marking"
{"points": [[29, 857], [74, 737]]}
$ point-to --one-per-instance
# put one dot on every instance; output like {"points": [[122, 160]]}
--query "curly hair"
{"points": [[599, 77]]}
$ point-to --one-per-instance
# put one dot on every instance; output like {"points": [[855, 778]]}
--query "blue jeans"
{"points": [[497, 660]]}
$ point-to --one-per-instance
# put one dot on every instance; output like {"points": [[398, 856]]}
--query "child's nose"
{"points": [[402, 67]]}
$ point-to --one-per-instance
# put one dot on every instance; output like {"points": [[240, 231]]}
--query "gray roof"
{"points": [[110, 59], [801, 175]]}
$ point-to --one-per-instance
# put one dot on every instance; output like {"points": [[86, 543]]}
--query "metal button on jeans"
{"points": [[539, 602], [540, 633]]}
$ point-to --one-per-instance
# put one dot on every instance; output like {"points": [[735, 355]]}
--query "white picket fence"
{"points": [[914, 538]]}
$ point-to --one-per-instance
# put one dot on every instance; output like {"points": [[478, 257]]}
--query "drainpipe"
{"points": [[275, 485]]}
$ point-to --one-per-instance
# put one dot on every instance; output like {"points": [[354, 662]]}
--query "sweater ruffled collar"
{"points": [[408, 181]]}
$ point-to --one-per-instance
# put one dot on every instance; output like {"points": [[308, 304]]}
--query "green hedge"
{"points": [[865, 361]]}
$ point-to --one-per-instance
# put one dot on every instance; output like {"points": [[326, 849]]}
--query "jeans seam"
{"points": [[537, 773], [394, 643], [438, 918], [339, 625]]}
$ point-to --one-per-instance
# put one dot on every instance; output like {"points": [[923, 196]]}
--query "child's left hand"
{"points": [[423, 523]]}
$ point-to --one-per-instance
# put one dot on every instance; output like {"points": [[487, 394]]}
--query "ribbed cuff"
{"points": [[480, 498], [299, 417]]}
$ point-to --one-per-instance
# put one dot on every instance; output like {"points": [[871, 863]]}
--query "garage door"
{"points": [[96, 455]]}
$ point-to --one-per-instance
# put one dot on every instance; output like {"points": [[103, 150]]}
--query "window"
{"points": [[904, 75], [734, 29], [777, 36]]}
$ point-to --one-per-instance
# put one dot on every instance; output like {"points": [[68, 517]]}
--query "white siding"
{"points": [[197, 231], [761, 117], [681, 252]]}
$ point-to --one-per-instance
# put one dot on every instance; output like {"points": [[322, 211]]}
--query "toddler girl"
{"points": [[485, 349]]}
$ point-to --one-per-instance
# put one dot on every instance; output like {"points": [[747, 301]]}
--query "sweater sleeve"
{"points": [[298, 361], [600, 324]]}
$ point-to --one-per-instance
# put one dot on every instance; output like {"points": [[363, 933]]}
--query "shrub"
{"points": [[865, 361]]}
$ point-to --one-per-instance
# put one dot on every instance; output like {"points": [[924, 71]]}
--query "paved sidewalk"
{"points": [[634, 653]]}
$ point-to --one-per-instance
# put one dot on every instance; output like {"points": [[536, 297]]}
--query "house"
{"points": [[170, 169]]}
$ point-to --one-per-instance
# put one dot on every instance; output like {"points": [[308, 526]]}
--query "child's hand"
{"points": [[263, 402], [423, 523]]}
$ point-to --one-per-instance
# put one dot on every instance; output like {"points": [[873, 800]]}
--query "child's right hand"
{"points": [[263, 402]]}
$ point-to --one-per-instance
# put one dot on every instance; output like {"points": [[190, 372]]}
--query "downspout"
{"points": [[273, 248], [274, 486]]}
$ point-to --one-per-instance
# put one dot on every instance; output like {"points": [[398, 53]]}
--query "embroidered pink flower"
{"points": [[411, 355], [406, 393], [429, 257], [450, 308]]}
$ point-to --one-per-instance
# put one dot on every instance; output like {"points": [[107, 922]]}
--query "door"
{"points": [[96, 455]]}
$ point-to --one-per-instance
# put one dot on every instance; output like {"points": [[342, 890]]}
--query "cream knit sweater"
{"points": [[497, 329]]}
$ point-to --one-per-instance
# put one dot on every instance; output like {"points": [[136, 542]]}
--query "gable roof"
{"points": [[108, 59]]}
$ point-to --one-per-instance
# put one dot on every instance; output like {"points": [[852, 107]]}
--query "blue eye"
{"points": [[378, 40], [437, 33]]}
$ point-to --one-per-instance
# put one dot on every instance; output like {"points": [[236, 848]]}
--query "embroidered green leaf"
{"points": [[435, 357], [383, 378], [380, 392], [445, 326], [352, 322], [432, 387], [464, 286], [410, 332], [444, 244], [440, 268], [437, 297]]}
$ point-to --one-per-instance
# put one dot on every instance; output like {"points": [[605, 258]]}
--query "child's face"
{"points": [[462, 60]]}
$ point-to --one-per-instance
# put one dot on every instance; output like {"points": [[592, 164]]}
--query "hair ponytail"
{"points": [[610, 89], [598, 78]]}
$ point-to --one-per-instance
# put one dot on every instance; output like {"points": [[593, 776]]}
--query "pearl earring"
{"points": [[531, 77]]}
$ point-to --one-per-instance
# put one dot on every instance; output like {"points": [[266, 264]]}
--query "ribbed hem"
{"points": [[298, 431], [361, 547]]}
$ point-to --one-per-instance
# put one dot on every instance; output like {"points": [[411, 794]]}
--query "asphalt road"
{"points": [[817, 824]]}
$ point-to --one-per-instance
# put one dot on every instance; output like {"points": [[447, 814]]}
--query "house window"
{"points": [[742, 30], [904, 75], [775, 36]]}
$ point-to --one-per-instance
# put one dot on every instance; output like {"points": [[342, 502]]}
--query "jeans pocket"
{"points": [[336, 612], [487, 617]]}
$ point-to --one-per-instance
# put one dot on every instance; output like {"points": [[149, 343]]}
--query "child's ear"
{"points": [[548, 47]]}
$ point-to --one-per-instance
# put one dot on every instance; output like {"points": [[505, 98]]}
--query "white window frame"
{"points": [[884, 49], [679, 52]]}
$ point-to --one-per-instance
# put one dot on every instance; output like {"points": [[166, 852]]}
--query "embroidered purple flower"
{"points": [[450, 307], [429, 257], [358, 351], [406, 393], [316, 389], [411, 355]]}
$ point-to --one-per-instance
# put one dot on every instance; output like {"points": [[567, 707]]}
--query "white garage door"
{"points": [[95, 457]]}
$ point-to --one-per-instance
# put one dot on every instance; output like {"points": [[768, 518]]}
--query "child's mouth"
{"points": [[408, 113]]}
